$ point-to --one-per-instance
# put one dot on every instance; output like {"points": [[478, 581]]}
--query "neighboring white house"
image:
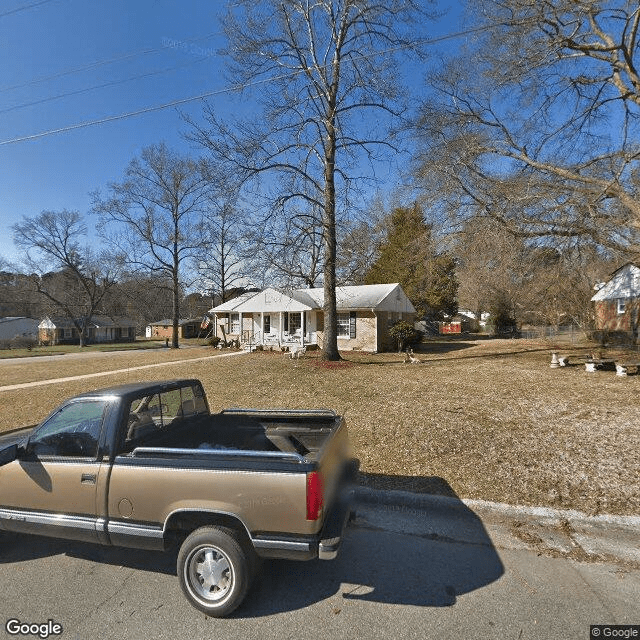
{"points": [[617, 301], [18, 327], [285, 318]]}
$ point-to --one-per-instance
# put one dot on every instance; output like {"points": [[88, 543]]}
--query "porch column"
{"points": [[240, 334], [302, 327], [262, 327], [281, 325]]}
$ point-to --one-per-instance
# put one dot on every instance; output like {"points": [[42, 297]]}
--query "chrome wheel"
{"points": [[214, 570], [210, 574]]}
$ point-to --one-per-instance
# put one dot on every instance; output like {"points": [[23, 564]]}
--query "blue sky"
{"points": [[53, 47]]}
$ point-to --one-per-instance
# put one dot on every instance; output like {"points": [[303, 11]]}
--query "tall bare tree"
{"points": [[155, 217], [537, 283], [222, 261], [63, 267], [292, 249], [329, 92], [537, 123]]}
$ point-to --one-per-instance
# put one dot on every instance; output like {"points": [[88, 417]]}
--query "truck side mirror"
{"points": [[8, 454]]}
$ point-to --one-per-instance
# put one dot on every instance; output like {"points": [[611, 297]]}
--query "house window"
{"points": [[622, 305], [234, 323], [343, 325], [347, 325], [295, 322], [267, 324]]}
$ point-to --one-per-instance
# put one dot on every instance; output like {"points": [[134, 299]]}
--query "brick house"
{"points": [[280, 319], [617, 301], [187, 328]]}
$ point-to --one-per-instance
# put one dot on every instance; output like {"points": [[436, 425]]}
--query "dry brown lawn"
{"points": [[484, 419]]}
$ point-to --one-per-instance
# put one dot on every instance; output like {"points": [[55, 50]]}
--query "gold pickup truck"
{"points": [[148, 466]]}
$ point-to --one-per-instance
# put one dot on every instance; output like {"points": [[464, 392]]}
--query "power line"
{"points": [[23, 8], [209, 94], [101, 86], [121, 116], [101, 63]]}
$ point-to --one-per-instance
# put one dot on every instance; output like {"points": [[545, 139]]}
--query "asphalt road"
{"points": [[389, 581]]}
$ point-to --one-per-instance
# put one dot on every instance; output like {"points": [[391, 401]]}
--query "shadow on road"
{"points": [[394, 553], [17, 548]]}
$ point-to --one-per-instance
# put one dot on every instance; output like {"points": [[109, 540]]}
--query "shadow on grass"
{"points": [[415, 484]]}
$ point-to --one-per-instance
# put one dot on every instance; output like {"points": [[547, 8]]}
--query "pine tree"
{"points": [[408, 256]]}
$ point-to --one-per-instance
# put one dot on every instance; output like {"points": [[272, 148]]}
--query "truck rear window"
{"points": [[152, 413]]}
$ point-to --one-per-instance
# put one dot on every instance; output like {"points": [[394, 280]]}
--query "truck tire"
{"points": [[214, 570]]}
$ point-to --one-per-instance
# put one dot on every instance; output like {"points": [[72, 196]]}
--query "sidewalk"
{"points": [[25, 385], [549, 532]]}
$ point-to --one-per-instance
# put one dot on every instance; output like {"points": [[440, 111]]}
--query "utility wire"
{"points": [[102, 86], [209, 94], [23, 8], [101, 63]]}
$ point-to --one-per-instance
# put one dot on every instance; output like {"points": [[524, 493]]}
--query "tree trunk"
{"points": [[176, 301], [330, 343]]}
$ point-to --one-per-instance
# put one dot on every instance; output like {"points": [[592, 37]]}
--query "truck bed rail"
{"points": [[268, 413], [170, 451]]}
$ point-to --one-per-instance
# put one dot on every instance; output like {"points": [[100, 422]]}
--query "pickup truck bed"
{"points": [[286, 433]]}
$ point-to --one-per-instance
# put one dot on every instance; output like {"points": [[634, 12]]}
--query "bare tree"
{"points": [[144, 299], [63, 268], [329, 90], [222, 261], [537, 283], [537, 123], [155, 217], [360, 240], [292, 249]]}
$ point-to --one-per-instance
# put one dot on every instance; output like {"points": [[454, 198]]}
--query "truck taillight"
{"points": [[314, 495]]}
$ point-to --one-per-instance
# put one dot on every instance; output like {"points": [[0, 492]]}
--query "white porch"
{"points": [[275, 330]]}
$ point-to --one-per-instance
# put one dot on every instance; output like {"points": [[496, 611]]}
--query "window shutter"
{"points": [[352, 325]]}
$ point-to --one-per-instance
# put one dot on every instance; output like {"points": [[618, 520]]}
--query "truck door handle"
{"points": [[88, 478]]}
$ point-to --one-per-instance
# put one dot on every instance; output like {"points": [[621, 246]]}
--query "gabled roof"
{"points": [[624, 283], [17, 326], [381, 297], [267, 301], [61, 322], [231, 305], [168, 322]]}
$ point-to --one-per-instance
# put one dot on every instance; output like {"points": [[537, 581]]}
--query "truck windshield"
{"points": [[72, 431]]}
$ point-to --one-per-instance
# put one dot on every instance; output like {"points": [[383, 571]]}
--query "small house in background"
{"points": [[455, 325], [18, 327], [617, 301], [187, 328], [280, 319], [58, 330]]}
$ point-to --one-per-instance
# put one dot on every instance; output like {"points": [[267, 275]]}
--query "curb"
{"points": [[429, 502], [551, 532]]}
